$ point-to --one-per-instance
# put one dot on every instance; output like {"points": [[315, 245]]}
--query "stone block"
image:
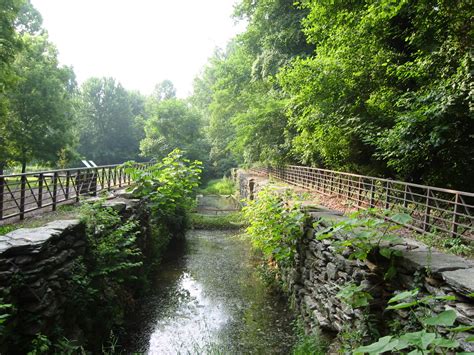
{"points": [[462, 281], [435, 262]]}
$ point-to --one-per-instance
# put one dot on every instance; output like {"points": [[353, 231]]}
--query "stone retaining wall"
{"points": [[319, 273], [37, 266]]}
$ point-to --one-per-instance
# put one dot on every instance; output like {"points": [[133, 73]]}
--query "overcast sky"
{"points": [[138, 42]]}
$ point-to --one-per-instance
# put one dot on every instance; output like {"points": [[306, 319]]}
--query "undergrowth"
{"points": [[308, 343], [224, 186], [232, 220]]}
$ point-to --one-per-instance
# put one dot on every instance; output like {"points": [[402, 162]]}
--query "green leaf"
{"points": [[461, 328], [446, 343], [382, 345], [403, 295], [403, 305], [446, 318], [386, 252], [401, 218], [420, 339]]}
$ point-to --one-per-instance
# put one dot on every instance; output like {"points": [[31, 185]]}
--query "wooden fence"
{"points": [[28, 192], [432, 209]]}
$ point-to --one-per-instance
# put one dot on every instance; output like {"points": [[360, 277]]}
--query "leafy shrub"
{"points": [[168, 185], [275, 225], [369, 230], [437, 331]]}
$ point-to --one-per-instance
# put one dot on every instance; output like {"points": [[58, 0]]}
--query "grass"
{"points": [[69, 211], [224, 186], [447, 244], [312, 343], [231, 220]]}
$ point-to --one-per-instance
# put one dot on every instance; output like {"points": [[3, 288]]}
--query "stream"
{"points": [[208, 298]]}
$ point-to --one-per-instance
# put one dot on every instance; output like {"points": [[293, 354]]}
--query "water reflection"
{"points": [[194, 325], [209, 299]]}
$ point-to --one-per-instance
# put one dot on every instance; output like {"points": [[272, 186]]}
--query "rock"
{"points": [[331, 270], [465, 313], [461, 281], [116, 205], [434, 262]]}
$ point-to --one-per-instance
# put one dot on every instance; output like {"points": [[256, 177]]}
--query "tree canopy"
{"points": [[374, 87], [378, 87]]}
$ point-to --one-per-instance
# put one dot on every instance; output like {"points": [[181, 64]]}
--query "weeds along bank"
{"points": [[68, 286], [355, 280]]}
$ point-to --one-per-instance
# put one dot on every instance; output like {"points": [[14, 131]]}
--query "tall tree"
{"points": [[386, 91], [41, 111], [109, 129], [10, 45], [164, 91], [173, 124]]}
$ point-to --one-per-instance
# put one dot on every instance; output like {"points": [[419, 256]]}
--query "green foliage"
{"points": [[393, 85], [275, 224], [436, 334], [224, 186], [41, 104], [311, 343], [354, 295], [110, 121], [5, 308], [232, 220], [113, 248], [366, 86], [369, 230], [172, 124], [169, 185]]}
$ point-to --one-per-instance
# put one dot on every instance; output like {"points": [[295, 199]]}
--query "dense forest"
{"points": [[379, 87]]}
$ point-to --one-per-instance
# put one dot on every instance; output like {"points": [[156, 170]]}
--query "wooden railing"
{"points": [[432, 209], [24, 193]]}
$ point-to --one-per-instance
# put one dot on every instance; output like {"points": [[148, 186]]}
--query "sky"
{"points": [[139, 42]]}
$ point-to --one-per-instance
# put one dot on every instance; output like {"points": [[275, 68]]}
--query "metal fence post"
{"points": [[372, 193], [387, 195], [40, 190], [454, 226], [55, 190], [426, 220], [68, 178], [2, 192], [22, 196], [78, 187], [359, 193]]}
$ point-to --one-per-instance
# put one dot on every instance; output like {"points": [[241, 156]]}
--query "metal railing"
{"points": [[24, 193], [432, 209]]}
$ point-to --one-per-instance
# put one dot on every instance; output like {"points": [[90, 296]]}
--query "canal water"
{"points": [[209, 299]]}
